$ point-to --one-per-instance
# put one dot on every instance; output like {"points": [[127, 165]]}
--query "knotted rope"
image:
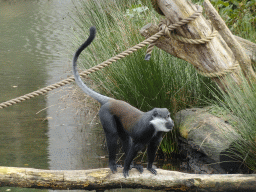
{"points": [[165, 27]]}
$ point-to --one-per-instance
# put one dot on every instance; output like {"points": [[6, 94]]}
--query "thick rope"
{"points": [[182, 39], [165, 28], [83, 74], [36, 93], [219, 73]]}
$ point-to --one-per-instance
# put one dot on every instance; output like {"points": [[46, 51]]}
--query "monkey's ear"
{"points": [[155, 113]]}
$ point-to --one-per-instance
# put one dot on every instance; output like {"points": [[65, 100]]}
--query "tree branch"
{"points": [[226, 34]]}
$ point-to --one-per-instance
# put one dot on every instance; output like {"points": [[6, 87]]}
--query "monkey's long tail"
{"points": [[100, 98]]}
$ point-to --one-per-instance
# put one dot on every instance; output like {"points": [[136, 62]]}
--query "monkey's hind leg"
{"points": [[112, 145], [127, 142], [134, 148], [109, 126]]}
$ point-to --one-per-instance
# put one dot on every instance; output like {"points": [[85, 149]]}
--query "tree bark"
{"points": [[102, 179], [248, 47], [211, 57]]}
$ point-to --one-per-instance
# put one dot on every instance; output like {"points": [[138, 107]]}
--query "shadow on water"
{"points": [[45, 132]]}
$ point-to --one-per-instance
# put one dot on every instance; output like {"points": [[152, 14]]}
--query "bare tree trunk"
{"points": [[102, 179], [226, 34]]}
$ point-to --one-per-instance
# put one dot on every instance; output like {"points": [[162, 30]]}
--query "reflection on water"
{"points": [[23, 134], [36, 46]]}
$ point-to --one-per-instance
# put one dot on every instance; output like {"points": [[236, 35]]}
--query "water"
{"points": [[45, 132]]}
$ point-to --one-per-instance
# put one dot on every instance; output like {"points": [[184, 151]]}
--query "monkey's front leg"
{"points": [[152, 148]]}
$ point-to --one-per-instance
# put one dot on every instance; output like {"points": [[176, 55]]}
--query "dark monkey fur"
{"points": [[119, 119]]}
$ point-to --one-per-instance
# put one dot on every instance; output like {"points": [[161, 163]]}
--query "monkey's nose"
{"points": [[170, 125]]}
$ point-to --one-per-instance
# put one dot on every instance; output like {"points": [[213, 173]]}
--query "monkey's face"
{"points": [[162, 120]]}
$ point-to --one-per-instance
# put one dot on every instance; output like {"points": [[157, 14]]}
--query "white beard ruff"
{"points": [[159, 124]]}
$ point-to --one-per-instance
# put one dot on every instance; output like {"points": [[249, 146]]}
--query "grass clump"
{"points": [[239, 103], [164, 81]]}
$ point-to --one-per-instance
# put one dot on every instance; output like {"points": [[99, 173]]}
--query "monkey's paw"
{"points": [[126, 173], [152, 170], [113, 167], [138, 167]]}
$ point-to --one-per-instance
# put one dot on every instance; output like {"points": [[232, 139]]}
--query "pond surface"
{"points": [[45, 132]]}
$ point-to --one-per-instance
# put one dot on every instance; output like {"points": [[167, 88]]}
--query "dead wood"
{"points": [[102, 179], [165, 43], [213, 57], [248, 47]]}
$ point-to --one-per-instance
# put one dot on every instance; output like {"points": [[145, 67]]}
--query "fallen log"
{"points": [[102, 179]]}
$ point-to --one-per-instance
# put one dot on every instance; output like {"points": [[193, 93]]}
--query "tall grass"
{"points": [[239, 102], [164, 81]]}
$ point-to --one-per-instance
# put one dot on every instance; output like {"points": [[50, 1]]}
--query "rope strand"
{"points": [[164, 29]]}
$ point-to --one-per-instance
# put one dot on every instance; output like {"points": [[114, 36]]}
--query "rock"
{"points": [[205, 142]]}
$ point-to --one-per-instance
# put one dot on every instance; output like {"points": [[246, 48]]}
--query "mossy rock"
{"points": [[205, 132]]}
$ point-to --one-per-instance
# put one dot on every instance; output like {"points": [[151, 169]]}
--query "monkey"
{"points": [[135, 128]]}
